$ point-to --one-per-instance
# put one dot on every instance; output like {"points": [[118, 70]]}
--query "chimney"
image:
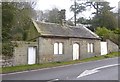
{"points": [[62, 16]]}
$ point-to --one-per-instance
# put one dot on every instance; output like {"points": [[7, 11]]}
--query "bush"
{"points": [[7, 49], [105, 33], [106, 56], [95, 56], [58, 62]]}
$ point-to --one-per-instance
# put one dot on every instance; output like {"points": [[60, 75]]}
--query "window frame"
{"points": [[90, 47], [58, 49], [55, 48]]}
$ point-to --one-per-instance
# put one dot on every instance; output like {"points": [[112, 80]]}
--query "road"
{"points": [[106, 69]]}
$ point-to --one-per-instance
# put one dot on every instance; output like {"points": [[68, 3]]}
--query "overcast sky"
{"points": [[65, 4]]}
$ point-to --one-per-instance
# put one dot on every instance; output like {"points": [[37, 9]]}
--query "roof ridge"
{"points": [[48, 23]]}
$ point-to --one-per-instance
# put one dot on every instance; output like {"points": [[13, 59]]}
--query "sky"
{"points": [[65, 4]]}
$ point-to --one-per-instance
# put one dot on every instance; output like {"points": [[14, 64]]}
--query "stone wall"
{"points": [[84, 49], [21, 52], [46, 48], [112, 47], [6, 63], [46, 51]]}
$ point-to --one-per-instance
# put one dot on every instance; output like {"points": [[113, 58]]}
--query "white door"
{"points": [[75, 51], [31, 55], [103, 48]]}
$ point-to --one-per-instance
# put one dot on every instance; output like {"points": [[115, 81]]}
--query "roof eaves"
{"points": [[47, 35]]}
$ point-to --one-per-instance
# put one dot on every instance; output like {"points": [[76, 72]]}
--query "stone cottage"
{"points": [[55, 42]]}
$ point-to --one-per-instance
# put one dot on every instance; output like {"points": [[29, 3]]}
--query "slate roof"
{"points": [[52, 29]]}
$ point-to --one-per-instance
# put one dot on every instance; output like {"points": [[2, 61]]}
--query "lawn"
{"points": [[54, 64]]}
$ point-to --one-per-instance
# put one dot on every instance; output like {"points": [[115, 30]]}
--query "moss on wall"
{"points": [[32, 32]]}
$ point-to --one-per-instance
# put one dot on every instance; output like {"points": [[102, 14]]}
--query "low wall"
{"points": [[112, 47], [21, 52], [19, 55], [6, 63]]}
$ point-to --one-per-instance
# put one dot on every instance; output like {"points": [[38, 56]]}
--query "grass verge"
{"points": [[54, 64]]}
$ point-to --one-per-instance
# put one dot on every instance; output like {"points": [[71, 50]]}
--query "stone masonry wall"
{"points": [[21, 52], [112, 47], [46, 48]]}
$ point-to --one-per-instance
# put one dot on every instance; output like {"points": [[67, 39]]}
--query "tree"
{"points": [[39, 15], [16, 18], [118, 17], [76, 9], [105, 33], [47, 15], [108, 20], [52, 16], [104, 17], [7, 17], [98, 6], [83, 20], [101, 15]]}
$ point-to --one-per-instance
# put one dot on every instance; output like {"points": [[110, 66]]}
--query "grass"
{"points": [[53, 64]]}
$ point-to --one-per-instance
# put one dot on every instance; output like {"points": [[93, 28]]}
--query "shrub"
{"points": [[106, 56], [7, 50]]}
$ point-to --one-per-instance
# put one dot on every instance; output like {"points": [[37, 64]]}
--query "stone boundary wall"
{"points": [[6, 63], [112, 47], [19, 54]]}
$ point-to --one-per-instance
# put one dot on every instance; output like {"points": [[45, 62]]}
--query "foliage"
{"points": [[117, 31], [98, 6], [7, 50], [105, 19], [105, 33], [16, 18], [7, 17], [103, 16], [32, 33], [78, 7], [102, 31], [82, 20], [52, 16]]}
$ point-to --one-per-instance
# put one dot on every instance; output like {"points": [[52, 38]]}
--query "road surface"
{"points": [[106, 69]]}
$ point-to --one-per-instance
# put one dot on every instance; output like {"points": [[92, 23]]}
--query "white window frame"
{"points": [[58, 48], [90, 47], [55, 48]]}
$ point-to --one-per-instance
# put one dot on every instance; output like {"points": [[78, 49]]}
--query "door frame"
{"points": [[35, 53], [78, 51], [103, 44]]}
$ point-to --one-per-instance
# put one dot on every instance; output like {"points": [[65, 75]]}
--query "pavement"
{"points": [[106, 69]]}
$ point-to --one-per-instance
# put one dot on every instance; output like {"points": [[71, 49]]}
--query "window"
{"points": [[90, 47], [58, 48], [55, 48]]}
